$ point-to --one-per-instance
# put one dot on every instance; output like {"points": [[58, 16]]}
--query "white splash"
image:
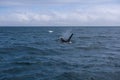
{"points": [[50, 31]]}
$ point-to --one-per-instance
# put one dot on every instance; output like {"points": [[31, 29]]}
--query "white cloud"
{"points": [[89, 15], [99, 15]]}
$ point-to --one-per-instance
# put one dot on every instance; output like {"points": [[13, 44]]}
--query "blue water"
{"points": [[33, 53]]}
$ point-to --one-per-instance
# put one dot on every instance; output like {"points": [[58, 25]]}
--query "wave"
{"points": [[92, 47]]}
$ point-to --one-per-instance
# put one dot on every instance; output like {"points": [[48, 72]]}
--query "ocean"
{"points": [[36, 53]]}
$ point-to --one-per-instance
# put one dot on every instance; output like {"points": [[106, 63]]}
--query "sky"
{"points": [[59, 12]]}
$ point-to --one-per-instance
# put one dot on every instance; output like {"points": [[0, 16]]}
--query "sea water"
{"points": [[36, 53]]}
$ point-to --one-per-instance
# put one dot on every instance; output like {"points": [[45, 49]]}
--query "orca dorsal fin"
{"points": [[70, 37]]}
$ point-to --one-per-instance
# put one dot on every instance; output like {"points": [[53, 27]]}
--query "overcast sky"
{"points": [[59, 12]]}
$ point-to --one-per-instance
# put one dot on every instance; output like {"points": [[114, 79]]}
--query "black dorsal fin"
{"points": [[70, 37]]}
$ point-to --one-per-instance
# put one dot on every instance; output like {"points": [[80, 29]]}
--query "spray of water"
{"points": [[66, 34]]}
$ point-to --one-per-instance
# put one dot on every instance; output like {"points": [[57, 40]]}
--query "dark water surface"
{"points": [[35, 54]]}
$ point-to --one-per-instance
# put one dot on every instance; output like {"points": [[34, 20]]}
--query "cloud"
{"points": [[99, 15], [59, 12]]}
